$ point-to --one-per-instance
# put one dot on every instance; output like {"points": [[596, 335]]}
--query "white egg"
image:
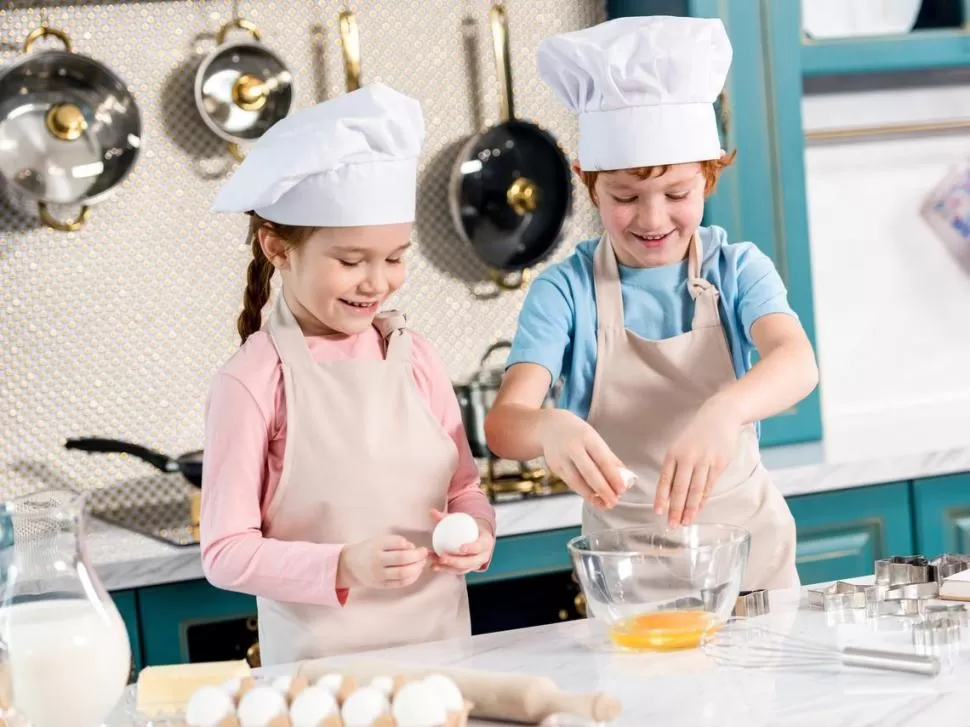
{"points": [[259, 706], [417, 705], [447, 691], [363, 706], [232, 686], [454, 531], [311, 706], [331, 682], [208, 706], [282, 684], [385, 685], [629, 477]]}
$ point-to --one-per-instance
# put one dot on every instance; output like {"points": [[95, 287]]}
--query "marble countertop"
{"points": [[859, 451], [689, 688]]}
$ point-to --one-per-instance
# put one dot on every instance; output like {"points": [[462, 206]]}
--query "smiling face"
{"points": [[338, 279], [650, 217]]}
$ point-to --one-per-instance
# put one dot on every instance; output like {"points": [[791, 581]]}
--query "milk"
{"points": [[68, 661]]}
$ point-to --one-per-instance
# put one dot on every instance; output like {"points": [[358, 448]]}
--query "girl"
{"points": [[333, 437], [653, 326]]}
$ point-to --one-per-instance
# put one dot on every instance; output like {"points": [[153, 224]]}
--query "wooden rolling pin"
{"points": [[494, 695]]}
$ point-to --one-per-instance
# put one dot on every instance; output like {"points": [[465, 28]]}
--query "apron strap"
{"points": [[393, 327], [606, 283], [287, 335], [703, 292]]}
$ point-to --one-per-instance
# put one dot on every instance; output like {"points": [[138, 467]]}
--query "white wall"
{"points": [[892, 303]]}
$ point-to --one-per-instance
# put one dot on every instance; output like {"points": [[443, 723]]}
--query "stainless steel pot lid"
{"points": [[70, 130], [242, 89]]}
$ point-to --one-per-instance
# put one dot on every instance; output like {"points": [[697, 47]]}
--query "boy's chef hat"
{"points": [[644, 88], [349, 161]]}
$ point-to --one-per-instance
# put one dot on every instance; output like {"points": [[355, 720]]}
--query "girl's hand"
{"points": [[576, 453], [390, 561], [470, 557], [695, 461]]}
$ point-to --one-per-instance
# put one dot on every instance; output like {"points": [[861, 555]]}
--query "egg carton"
{"points": [[332, 701]]}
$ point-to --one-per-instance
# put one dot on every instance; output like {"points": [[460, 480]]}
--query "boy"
{"points": [[653, 326]]}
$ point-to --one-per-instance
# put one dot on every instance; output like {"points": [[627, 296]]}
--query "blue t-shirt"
{"points": [[557, 324]]}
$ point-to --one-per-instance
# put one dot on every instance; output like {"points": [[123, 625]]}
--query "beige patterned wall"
{"points": [[116, 330]]}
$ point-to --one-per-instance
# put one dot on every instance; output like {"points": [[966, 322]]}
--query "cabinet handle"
{"points": [[724, 115]]}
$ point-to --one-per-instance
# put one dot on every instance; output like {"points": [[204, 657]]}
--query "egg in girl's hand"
{"points": [[452, 532], [260, 707]]}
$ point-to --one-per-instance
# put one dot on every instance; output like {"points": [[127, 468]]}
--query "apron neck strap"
{"points": [[701, 290], [292, 347], [609, 296], [287, 335], [606, 282], [393, 327]]}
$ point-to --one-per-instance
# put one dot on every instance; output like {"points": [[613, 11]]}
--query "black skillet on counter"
{"points": [[510, 189], [189, 464]]}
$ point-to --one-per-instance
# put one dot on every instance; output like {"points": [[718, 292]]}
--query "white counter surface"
{"points": [[687, 688], [857, 452]]}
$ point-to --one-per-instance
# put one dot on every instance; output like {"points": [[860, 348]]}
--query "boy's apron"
{"points": [[644, 394], [364, 457]]}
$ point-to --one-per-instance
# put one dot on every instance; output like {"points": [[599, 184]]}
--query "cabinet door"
{"points": [[178, 616], [841, 534], [761, 197], [942, 514], [127, 604]]}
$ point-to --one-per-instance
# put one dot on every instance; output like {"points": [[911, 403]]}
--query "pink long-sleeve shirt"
{"points": [[245, 438]]}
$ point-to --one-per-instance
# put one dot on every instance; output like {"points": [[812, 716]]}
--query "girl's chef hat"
{"points": [[644, 88], [349, 161]]}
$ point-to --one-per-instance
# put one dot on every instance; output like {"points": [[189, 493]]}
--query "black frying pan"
{"points": [[189, 464], [511, 192]]}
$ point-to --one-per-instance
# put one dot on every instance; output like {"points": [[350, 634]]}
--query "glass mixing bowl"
{"points": [[658, 588]]}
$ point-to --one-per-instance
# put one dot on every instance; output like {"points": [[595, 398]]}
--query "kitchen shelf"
{"points": [[920, 50]]}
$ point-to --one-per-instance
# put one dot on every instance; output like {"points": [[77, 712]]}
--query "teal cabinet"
{"points": [[530, 554], [841, 534], [761, 197], [169, 614], [127, 604], [942, 514]]}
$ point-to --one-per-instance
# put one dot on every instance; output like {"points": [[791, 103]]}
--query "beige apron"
{"points": [[364, 457], [645, 392]]}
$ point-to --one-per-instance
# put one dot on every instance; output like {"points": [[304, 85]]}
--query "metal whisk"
{"points": [[755, 647]]}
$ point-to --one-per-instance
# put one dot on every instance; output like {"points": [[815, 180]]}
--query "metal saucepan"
{"points": [[189, 464], [70, 131], [242, 89], [511, 192], [477, 395]]}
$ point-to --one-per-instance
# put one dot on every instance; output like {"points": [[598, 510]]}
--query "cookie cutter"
{"points": [[840, 595], [957, 613], [901, 570], [948, 565], [906, 592], [929, 635], [903, 607], [752, 603]]}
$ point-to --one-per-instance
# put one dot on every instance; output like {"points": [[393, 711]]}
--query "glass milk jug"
{"points": [[64, 651]]}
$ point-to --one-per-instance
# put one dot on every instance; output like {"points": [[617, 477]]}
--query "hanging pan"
{"points": [[242, 88], [350, 43], [510, 189], [70, 131]]}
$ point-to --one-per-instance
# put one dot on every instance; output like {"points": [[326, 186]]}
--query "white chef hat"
{"points": [[347, 162], [644, 88]]}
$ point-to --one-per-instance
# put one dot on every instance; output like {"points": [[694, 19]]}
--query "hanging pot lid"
{"points": [[242, 89], [70, 130]]}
